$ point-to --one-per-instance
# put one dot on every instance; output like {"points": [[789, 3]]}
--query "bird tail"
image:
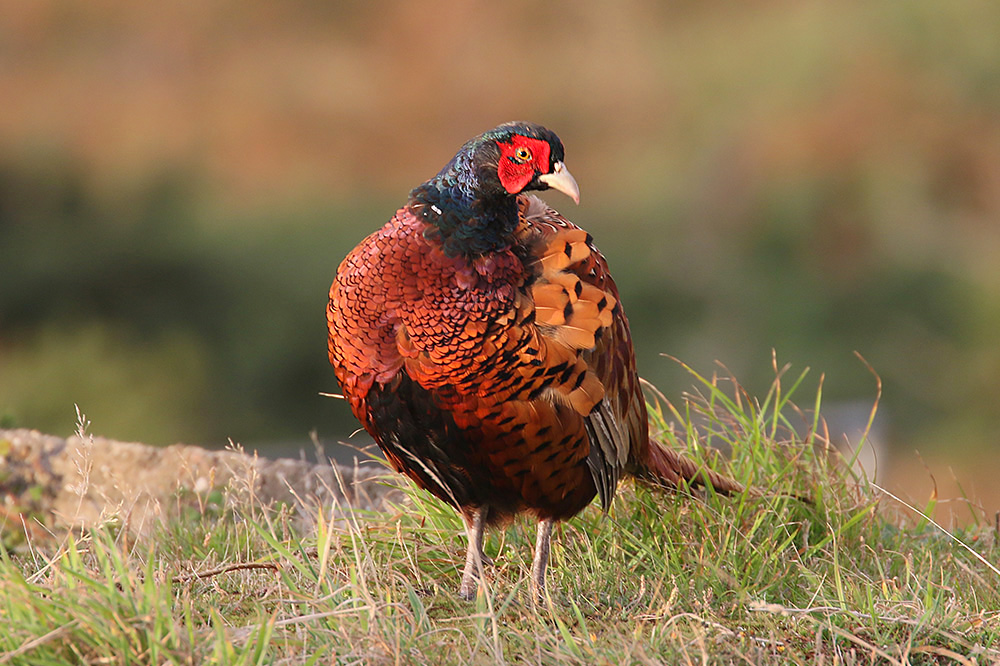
{"points": [[666, 467]]}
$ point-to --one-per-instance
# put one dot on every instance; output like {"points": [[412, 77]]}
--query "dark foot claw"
{"points": [[467, 592]]}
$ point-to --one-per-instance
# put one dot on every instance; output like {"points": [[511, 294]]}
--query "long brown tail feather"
{"points": [[664, 466]]}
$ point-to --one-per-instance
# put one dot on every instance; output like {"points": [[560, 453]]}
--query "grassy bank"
{"points": [[663, 578]]}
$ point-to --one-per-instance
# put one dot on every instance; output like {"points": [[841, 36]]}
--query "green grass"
{"points": [[760, 578]]}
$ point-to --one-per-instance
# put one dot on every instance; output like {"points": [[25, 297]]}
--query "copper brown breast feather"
{"points": [[478, 336]]}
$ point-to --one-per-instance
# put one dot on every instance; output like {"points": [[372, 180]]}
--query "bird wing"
{"points": [[576, 305]]}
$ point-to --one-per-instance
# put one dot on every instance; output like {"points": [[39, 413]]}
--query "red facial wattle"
{"points": [[515, 169]]}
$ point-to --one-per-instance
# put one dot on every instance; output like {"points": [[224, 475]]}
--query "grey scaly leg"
{"points": [[474, 556], [541, 561]]}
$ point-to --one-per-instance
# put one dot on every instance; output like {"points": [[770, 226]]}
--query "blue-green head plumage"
{"points": [[471, 204]]}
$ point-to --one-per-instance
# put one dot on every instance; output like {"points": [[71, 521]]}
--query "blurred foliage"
{"points": [[161, 331], [179, 184]]}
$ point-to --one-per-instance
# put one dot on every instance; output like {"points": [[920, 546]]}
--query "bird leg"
{"points": [[475, 558], [541, 561]]}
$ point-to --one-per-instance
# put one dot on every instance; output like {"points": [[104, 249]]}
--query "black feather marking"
{"points": [[505, 420], [425, 442], [504, 375], [558, 368]]}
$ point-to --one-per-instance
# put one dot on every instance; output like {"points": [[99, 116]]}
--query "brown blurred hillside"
{"points": [[179, 181]]}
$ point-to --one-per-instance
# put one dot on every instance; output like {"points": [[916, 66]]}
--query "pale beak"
{"points": [[562, 180]]}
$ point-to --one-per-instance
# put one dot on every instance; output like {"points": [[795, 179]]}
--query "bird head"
{"points": [[518, 157], [470, 205]]}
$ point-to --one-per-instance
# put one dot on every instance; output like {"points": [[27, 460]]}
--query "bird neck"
{"points": [[464, 219]]}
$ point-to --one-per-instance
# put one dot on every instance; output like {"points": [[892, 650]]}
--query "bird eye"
{"points": [[522, 154]]}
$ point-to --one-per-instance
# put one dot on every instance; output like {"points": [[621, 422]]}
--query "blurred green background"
{"points": [[178, 182]]}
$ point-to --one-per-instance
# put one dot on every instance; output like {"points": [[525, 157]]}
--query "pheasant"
{"points": [[479, 338]]}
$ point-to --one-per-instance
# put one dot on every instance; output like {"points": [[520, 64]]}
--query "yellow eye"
{"points": [[522, 154]]}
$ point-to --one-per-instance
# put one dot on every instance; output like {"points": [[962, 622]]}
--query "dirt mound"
{"points": [[85, 481]]}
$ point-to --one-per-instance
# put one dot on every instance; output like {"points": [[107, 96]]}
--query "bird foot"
{"points": [[467, 590], [470, 576], [475, 558]]}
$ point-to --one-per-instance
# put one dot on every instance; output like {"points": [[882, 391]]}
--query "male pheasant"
{"points": [[479, 338]]}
